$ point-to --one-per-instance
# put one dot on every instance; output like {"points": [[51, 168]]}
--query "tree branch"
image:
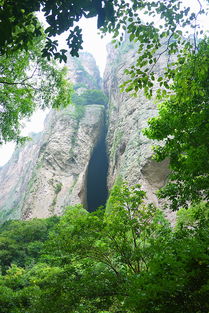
{"points": [[23, 81]]}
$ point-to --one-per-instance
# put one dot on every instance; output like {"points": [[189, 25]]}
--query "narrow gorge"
{"points": [[86, 148]]}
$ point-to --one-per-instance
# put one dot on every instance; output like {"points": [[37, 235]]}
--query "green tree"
{"points": [[130, 259], [154, 40], [182, 126], [28, 81], [178, 276], [100, 253]]}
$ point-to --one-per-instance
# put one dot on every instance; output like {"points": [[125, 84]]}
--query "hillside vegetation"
{"points": [[127, 260]]}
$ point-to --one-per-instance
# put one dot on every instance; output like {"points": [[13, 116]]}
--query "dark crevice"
{"points": [[97, 191]]}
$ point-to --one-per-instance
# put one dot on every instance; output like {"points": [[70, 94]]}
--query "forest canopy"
{"points": [[128, 260], [19, 26], [183, 127]]}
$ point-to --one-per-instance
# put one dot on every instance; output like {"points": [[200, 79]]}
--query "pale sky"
{"points": [[97, 47]]}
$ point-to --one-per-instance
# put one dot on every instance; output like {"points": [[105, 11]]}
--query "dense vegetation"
{"points": [[129, 260], [21, 242], [90, 96], [19, 24]]}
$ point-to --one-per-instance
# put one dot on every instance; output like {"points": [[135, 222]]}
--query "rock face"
{"points": [[129, 151], [15, 176], [60, 172], [49, 172], [55, 164], [83, 71]]}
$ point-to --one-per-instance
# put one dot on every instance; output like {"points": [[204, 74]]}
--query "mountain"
{"points": [[85, 149], [50, 171]]}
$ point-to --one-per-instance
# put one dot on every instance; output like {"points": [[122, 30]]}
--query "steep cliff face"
{"points": [[129, 151], [15, 176], [83, 71], [50, 172], [59, 176]]}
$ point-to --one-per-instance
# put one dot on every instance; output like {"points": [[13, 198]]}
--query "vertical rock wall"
{"points": [[129, 150], [49, 172], [59, 177], [15, 176]]}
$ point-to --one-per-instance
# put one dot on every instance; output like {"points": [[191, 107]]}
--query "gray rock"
{"points": [[130, 152], [49, 172]]}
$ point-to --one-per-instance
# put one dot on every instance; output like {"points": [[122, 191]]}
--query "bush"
{"points": [[90, 96]]}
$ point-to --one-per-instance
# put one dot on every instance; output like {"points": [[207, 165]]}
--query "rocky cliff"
{"points": [[129, 151], [50, 171], [83, 71]]}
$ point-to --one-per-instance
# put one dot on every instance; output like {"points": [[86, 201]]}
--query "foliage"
{"points": [[28, 81], [118, 183], [127, 260], [19, 25], [154, 39], [90, 96], [22, 241], [58, 188], [183, 129]]}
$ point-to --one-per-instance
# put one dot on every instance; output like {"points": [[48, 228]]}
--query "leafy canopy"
{"points": [[28, 81], [127, 260], [21, 242], [19, 25], [155, 40], [182, 126]]}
